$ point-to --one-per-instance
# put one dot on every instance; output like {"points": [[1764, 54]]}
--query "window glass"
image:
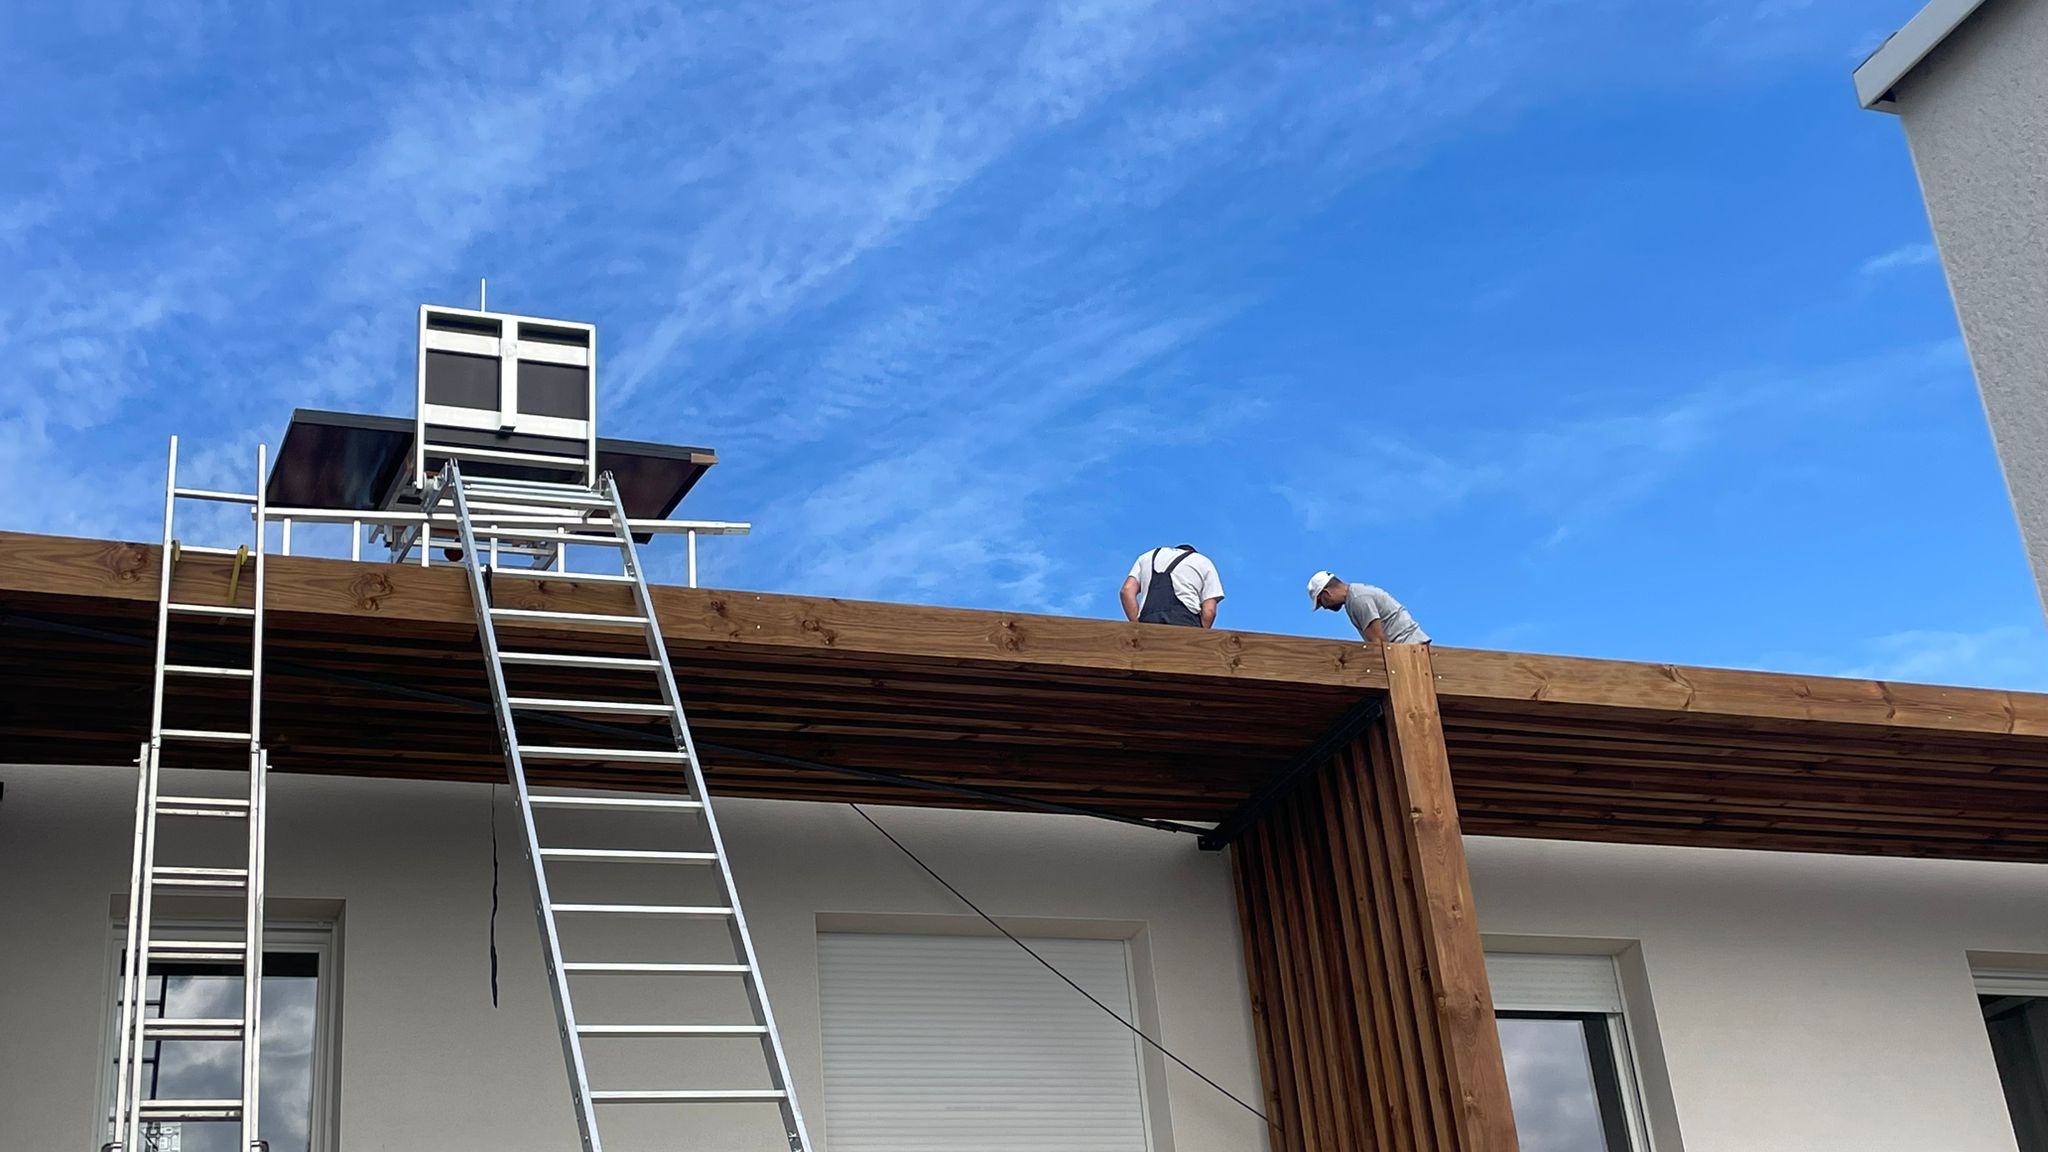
{"points": [[1564, 1082], [2019, 1042], [212, 1069]]}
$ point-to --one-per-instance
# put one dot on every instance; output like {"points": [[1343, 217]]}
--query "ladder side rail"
{"points": [[131, 987], [565, 1014], [743, 940], [163, 598], [132, 1121], [252, 879]]}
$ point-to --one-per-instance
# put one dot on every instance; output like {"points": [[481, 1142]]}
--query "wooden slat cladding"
{"points": [[1368, 982]]}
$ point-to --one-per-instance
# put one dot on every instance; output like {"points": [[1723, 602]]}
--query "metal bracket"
{"points": [[235, 573]]}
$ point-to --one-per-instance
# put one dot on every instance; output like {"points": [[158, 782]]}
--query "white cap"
{"points": [[1316, 584]]}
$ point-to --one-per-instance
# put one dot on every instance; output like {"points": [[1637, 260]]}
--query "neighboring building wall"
{"points": [[1976, 116], [1803, 1003], [426, 1061]]}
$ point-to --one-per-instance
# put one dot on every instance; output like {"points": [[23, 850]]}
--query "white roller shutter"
{"points": [[944, 1043], [1535, 982]]}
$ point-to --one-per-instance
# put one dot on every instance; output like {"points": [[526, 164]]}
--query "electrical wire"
{"points": [[1047, 964]]}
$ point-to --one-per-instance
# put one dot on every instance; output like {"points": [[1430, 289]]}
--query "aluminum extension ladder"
{"points": [[136, 1119], [522, 517]]}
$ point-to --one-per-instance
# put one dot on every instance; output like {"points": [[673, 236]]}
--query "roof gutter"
{"points": [[1905, 49]]}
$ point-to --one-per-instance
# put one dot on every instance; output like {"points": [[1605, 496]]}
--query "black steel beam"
{"points": [[1348, 728]]}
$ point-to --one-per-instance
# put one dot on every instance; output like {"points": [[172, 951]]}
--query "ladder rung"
{"points": [[687, 1096], [685, 911], [521, 484], [602, 968], [499, 521], [629, 856], [530, 535], [609, 802], [199, 877], [453, 544], [509, 499], [201, 806], [206, 670], [161, 1110], [622, 755], [211, 609], [565, 660], [569, 577], [222, 1028], [217, 497], [671, 1030], [605, 707], [205, 734], [197, 951], [207, 550], [540, 616]]}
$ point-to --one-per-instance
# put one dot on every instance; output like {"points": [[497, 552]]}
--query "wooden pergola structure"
{"points": [[1342, 778]]}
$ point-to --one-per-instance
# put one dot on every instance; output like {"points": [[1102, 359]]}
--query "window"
{"points": [[938, 1043], [1565, 1039], [2015, 1006], [296, 1030]]}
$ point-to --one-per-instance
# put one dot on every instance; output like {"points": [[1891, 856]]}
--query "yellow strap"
{"points": [[235, 573]]}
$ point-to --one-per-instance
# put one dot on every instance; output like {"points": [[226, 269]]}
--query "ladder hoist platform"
{"points": [[505, 480]]}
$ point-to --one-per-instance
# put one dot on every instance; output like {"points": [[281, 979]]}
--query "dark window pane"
{"points": [[212, 1069], [1565, 1093], [461, 380], [553, 390], [2019, 1042]]}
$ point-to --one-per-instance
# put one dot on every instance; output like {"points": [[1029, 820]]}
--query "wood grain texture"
{"points": [[1374, 1020], [1142, 720]]}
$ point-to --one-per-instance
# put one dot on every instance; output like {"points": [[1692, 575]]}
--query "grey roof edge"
{"points": [[1905, 49]]}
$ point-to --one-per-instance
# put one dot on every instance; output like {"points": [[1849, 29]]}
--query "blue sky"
{"points": [[1585, 327]]}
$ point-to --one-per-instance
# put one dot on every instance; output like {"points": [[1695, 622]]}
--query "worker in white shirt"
{"points": [[1173, 586], [1378, 616]]}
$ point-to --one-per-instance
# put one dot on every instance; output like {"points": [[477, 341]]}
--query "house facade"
{"points": [[1766, 1000]]}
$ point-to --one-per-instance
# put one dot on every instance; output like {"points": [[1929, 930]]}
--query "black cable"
{"points": [[1112, 1013], [494, 895]]}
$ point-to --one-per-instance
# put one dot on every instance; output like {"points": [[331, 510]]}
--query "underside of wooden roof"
{"points": [[374, 670]]}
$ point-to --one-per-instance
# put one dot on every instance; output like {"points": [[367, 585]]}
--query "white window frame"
{"points": [[1592, 986], [508, 350], [319, 937]]}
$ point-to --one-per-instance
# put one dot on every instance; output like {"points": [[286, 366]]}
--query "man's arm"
{"points": [[1376, 632], [1209, 611], [1130, 598]]}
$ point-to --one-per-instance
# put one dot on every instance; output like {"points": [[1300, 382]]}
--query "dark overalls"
{"points": [[1162, 606]]}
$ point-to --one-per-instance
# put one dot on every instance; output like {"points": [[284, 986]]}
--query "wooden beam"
{"points": [[1465, 675], [1457, 960], [52, 566], [1374, 1018]]}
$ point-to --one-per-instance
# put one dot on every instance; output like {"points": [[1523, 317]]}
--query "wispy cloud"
{"points": [[1904, 256], [2011, 656], [1576, 471]]}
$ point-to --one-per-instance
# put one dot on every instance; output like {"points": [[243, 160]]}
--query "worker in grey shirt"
{"points": [[1377, 616]]}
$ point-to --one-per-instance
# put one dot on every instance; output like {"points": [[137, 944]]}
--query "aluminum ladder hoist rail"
{"points": [[135, 1118], [511, 514]]}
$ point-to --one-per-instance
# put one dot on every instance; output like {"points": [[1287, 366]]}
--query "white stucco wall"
{"points": [[427, 1063], [1976, 116], [1801, 1003]]}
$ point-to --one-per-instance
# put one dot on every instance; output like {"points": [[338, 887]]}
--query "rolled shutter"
{"points": [[939, 1043], [1536, 982]]}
